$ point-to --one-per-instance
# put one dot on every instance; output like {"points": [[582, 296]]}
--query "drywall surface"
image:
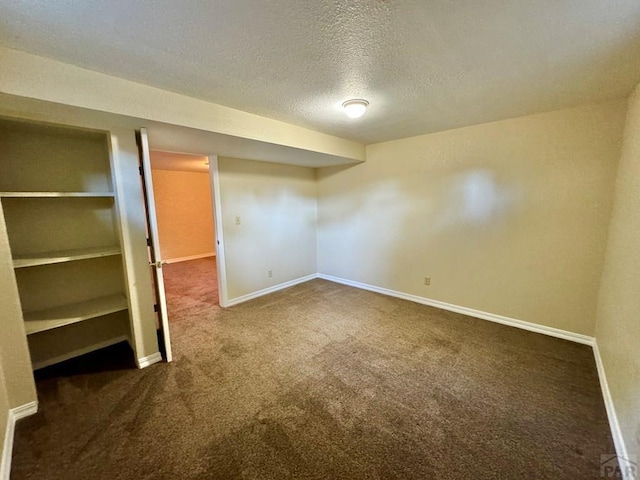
{"points": [[4, 419], [184, 212], [130, 206], [618, 325], [14, 352], [507, 217], [27, 75], [269, 223]]}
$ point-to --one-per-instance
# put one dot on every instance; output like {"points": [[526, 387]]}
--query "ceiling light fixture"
{"points": [[355, 108]]}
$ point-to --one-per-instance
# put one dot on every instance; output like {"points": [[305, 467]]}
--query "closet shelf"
{"points": [[55, 194], [47, 258], [49, 319]]}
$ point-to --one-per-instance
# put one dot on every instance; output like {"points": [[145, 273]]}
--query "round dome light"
{"points": [[355, 108]]}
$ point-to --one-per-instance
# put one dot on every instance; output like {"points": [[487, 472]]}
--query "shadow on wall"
{"points": [[269, 221], [476, 198], [453, 205], [508, 217]]}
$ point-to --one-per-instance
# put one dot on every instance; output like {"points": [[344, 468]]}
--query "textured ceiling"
{"points": [[423, 66]]}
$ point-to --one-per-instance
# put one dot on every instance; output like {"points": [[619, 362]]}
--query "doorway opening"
{"points": [[184, 224], [184, 232], [183, 194]]}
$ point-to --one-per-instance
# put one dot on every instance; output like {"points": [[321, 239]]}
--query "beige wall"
{"points": [[276, 205], [4, 419], [618, 325], [14, 352], [4, 413], [130, 206], [184, 213], [17, 387], [507, 217]]}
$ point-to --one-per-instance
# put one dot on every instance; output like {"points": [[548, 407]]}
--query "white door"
{"points": [[155, 254]]}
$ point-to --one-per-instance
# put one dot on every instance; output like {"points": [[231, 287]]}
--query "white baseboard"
{"points": [[618, 440], [191, 257], [15, 414], [149, 360], [265, 291], [80, 351], [492, 317], [7, 450], [25, 410]]}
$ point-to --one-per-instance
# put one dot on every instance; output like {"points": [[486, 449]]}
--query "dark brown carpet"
{"points": [[323, 381]]}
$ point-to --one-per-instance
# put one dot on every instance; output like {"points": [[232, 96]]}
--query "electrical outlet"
{"points": [[269, 273], [427, 280], [237, 220]]}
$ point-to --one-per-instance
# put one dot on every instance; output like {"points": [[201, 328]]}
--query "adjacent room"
{"points": [[186, 226], [320, 240]]}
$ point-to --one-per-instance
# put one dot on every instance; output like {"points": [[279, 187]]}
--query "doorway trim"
{"points": [[214, 176]]}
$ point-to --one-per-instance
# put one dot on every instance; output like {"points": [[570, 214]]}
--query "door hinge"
{"points": [[156, 308], [148, 242], [140, 169]]}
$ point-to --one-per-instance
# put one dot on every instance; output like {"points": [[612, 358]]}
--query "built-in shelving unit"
{"points": [[54, 194], [60, 256], [57, 199], [48, 319]]}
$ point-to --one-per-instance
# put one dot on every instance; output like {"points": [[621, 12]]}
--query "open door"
{"points": [[155, 255]]}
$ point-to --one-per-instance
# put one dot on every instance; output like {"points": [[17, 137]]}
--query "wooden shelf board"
{"points": [[49, 319], [55, 194], [47, 258]]}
